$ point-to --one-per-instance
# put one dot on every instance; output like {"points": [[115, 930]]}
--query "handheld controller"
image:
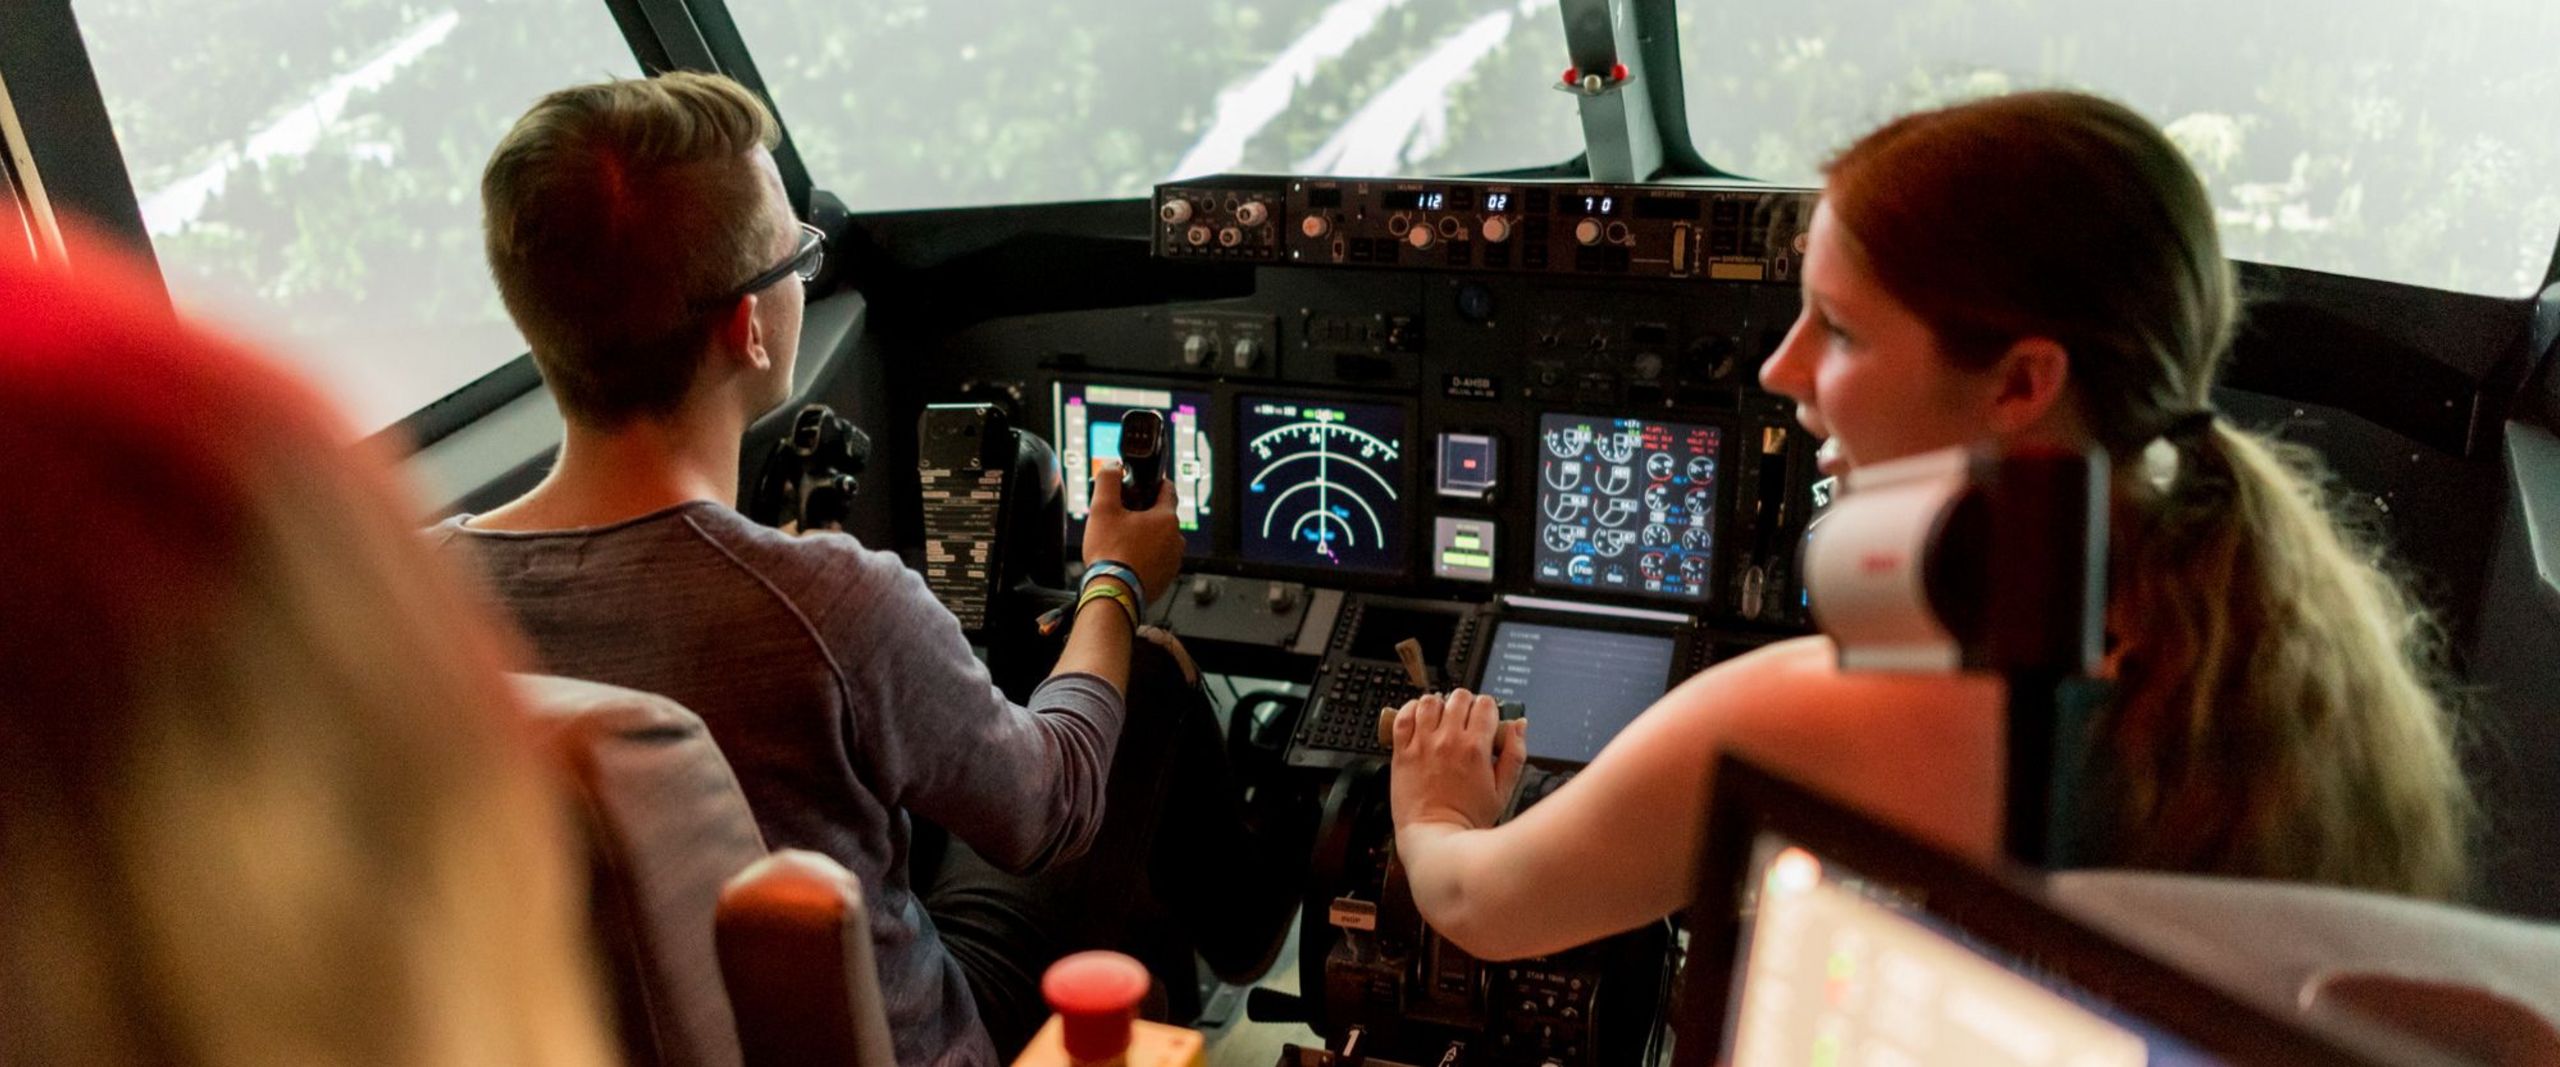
{"points": [[1142, 441]]}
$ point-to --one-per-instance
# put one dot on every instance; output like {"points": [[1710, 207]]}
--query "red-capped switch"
{"points": [[1096, 996]]}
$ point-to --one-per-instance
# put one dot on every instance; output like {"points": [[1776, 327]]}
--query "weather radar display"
{"points": [[1323, 484], [1627, 505]]}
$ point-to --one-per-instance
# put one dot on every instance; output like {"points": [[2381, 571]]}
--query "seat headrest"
{"points": [[666, 827]]}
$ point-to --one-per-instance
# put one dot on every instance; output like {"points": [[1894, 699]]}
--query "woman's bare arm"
{"points": [[1618, 845]]}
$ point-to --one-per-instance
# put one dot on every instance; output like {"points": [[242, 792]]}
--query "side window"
{"points": [[2401, 141], [309, 173]]}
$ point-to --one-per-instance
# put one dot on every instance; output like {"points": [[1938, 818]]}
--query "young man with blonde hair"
{"points": [[641, 237]]}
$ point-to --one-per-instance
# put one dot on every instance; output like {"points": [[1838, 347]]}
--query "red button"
{"points": [[1096, 994]]}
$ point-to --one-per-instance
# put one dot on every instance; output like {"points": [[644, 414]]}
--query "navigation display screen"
{"points": [[1627, 505], [1580, 686], [1324, 482], [1088, 420]]}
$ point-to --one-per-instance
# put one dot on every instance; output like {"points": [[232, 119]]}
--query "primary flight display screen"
{"points": [[1088, 421], [1626, 505], [1580, 686], [1324, 483]]}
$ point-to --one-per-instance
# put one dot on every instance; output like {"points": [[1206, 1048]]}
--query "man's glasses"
{"points": [[803, 261]]}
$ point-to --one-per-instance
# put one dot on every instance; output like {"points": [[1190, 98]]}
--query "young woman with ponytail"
{"points": [[2037, 269]]}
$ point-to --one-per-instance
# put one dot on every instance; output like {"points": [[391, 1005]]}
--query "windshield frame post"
{"points": [[1621, 140]]}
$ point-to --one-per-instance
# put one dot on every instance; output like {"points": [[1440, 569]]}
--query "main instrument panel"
{"points": [[1525, 413], [1513, 427]]}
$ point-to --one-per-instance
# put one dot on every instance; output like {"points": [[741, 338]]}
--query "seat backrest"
{"points": [[666, 828], [795, 946], [2440, 972]]}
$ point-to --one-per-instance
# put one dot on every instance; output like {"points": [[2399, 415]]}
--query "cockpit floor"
{"points": [[1241, 1042]]}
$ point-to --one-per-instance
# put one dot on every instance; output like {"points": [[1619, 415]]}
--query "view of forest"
{"points": [[309, 171]]}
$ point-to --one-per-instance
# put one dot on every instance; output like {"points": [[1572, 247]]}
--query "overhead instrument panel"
{"points": [[1627, 505], [1323, 483], [1087, 416]]}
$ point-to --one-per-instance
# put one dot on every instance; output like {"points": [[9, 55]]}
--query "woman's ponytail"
{"points": [[2273, 716]]}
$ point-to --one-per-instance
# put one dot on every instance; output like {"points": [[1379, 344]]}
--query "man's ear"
{"points": [[741, 334], [2029, 384]]}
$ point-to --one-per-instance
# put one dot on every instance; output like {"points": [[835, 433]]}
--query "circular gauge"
{"points": [[1566, 507], [1657, 498], [1693, 571], [1613, 479], [1617, 511], [1697, 539], [1610, 543], [1652, 565], [1561, 537], [1701, 503], [1561, 475], [1659, 465], [1619, 447], [1657, 535], [1567, 442], [1702, 469], [1614, 574], [1579, 568]]}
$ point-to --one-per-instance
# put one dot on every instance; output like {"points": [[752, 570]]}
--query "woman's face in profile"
{"points": [[1865, 372]]}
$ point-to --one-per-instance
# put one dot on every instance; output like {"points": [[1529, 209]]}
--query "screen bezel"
{"points": [[1408, 482], [2001, 909], [1210, 410], [1719, 564]]}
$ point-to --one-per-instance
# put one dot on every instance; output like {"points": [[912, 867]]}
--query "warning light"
{"points": [[1467, 466]]}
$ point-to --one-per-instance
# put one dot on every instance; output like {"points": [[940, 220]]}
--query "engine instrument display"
{"points": [[1088, 421], [1627, 505], [1324, 483]]}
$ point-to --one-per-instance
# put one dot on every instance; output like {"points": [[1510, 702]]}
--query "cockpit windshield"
{"points": [[921, 104], [2409, 142]]}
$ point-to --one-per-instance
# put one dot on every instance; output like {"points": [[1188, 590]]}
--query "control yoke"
{"points": [[1142, 443], [808, 479]]}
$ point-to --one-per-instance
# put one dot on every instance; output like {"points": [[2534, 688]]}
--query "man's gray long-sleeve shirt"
{"points": [[842, 693]]}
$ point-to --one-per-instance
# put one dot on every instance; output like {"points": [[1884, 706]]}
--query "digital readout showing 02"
{"points": [[1627, 505]]}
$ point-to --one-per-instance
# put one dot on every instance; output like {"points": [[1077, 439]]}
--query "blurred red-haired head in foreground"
{"points": [[262, 795]]}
